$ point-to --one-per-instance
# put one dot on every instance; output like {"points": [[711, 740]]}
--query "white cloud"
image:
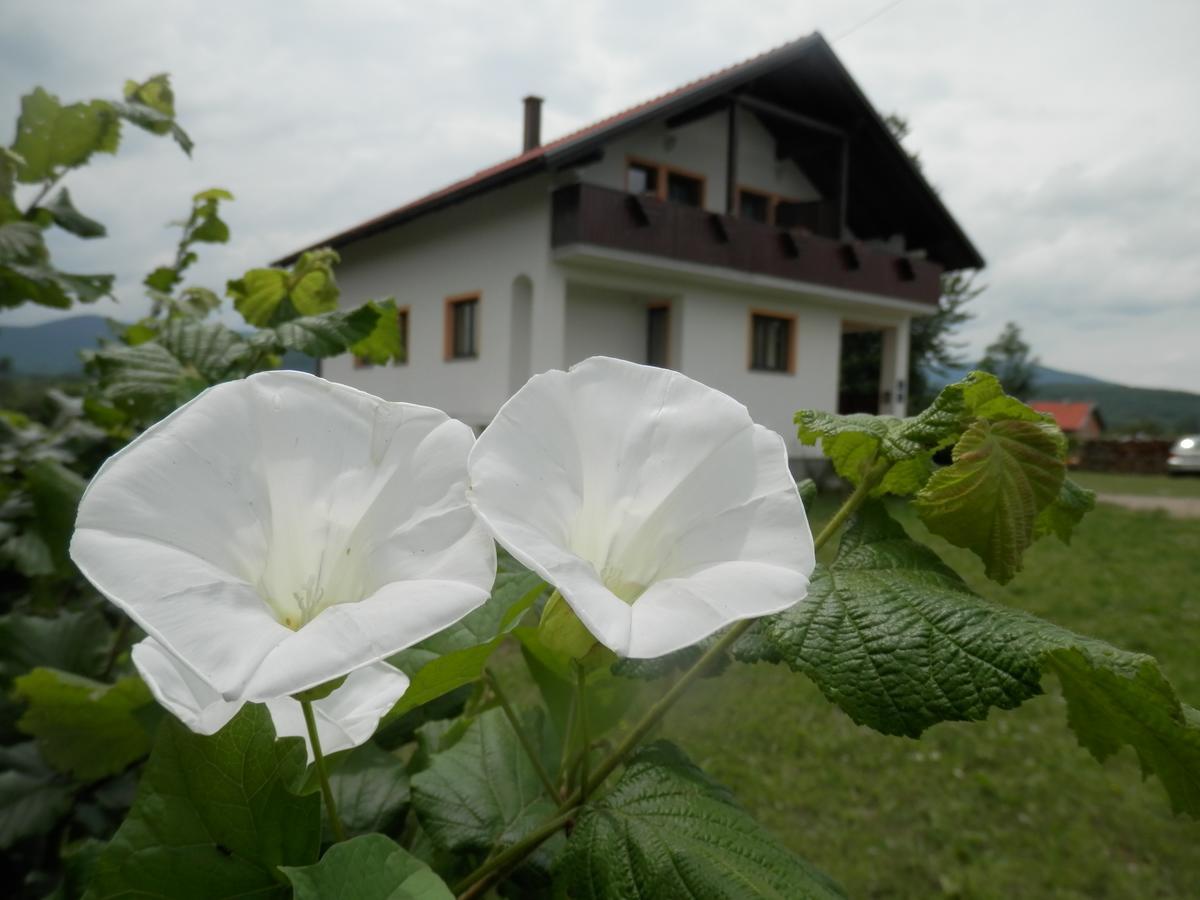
{"points": [[1061, 135]]}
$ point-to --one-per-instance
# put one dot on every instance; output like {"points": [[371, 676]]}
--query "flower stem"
{"points": [[475, 884], [335, 824], [585, 740], [526, 743]]}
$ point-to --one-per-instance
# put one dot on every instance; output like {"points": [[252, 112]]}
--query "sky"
{"points": [[1064, 136]]}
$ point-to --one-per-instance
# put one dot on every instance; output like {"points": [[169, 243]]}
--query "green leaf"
{"points": [[898, 641], [52, 138], [371, 867], [21, 241], [370, 788], [483, 790], [1003, 475], [67, 217], [383, 343], [84, 727], [56, 492], [1069, 507], [32, 799], [162, 279], [38, 282], [150, 106], [74, 642], [213, 817], [258, 293], [328, 334], [667, 830]]}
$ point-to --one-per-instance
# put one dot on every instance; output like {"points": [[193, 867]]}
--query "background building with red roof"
{"points": [[1078, 420]]}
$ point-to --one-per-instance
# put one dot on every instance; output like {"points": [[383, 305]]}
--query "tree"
{"points": [[1008, 359]]}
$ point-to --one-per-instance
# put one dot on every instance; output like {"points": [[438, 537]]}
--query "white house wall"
{"points": [[604, 322], [699, 147], [482, 246]]}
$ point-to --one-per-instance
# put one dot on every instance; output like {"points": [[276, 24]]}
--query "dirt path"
{"points": [[1177, 507]]}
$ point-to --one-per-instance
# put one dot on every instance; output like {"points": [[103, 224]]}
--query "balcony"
{"points": [[603, 217]]}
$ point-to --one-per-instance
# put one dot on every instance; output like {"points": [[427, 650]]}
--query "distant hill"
{"points": [[52, 348], [1124, 409]]}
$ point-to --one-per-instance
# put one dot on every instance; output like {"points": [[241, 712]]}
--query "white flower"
{"points": [[653, 503], [345, 719], [279, 532]]}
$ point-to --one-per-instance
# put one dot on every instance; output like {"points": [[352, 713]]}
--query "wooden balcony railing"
{"points": [[603, 217]]}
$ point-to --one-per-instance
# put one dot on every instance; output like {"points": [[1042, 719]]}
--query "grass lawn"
{"points": [[1011, 807], [1144, 485]]}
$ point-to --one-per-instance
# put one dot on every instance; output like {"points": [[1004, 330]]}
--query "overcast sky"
{"points": [[1064, 136]]}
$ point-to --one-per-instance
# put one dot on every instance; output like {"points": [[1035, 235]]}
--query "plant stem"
{"points": [[335, 823], [115, 649], [526, 743], [584, 740], [490, 872], [47, 187], [486, 875]]}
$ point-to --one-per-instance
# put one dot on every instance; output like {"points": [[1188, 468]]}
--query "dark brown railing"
{"points": [[589, 214]]}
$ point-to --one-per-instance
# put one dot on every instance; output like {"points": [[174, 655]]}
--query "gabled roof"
{"points": [[887, 191], [1069, 416]]}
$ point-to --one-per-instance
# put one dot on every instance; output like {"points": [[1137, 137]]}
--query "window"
{"points": [[462, 327], [658, 335], [771, 342], [685, 189], [664, 182], [643, 179], [754, 206], [361, 362]]}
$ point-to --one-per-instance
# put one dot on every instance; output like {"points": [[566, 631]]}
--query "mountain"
{"points": [[52, 348], [1042, 375]]}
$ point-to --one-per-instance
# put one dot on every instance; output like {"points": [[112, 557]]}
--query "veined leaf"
{"points": [[383, 343], [67, 217], [84, 727], [370, 788], [667, 830], [1068, 509], [74, 642], [1003, 476], [150, 105], [52, 137], [32, 798], [371, 867], [213, 817], [309, 288], [897, 640], [327, 334]]}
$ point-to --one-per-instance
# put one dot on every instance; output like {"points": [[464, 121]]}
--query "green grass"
{"points": [[1144, 485], [1011, 807]]}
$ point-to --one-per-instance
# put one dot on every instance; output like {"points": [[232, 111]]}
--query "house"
{"points": [[733, 229], [1080, 421]]}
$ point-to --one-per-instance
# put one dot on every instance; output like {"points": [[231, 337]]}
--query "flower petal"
{"points": [[347, 717], [193, 701], [617, 480], [267, 500]]}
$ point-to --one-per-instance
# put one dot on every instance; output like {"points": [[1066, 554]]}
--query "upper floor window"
{"points": [[462, 327], [664, 182], [361, 362], [771, 342], [755, 206]]}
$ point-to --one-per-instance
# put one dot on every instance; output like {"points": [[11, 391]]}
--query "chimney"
{"points": [[533, 123]]}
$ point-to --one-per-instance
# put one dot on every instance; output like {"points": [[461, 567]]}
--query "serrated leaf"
{"points": [[32, 799], [150, 105], [370, 788], [989, 499], [52, 137], [384, 342], [83, 727], [21, 241], [213, 817], [258, 293], [1068, 509], [897, 640], [483, 791], [74, 642], [328, 334], [667, 830], [371, 867], [67, 217]]}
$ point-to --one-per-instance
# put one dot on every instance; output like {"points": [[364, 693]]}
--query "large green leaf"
{"points": [[268, 297], [897, 640], [214, 817], [324, 335], [75, 642], [52, 137], [371, 867], [86, 728], [370, 788], [32, 797], [667, 830], [483, 791], [384, 343], [988, 500], [39, 282], [55, 491]]}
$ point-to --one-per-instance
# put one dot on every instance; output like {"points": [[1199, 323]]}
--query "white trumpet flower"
{"points": [[653, 503], [282, 531]]}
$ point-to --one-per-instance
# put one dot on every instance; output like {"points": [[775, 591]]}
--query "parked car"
{"points": [[1185, 456]]}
